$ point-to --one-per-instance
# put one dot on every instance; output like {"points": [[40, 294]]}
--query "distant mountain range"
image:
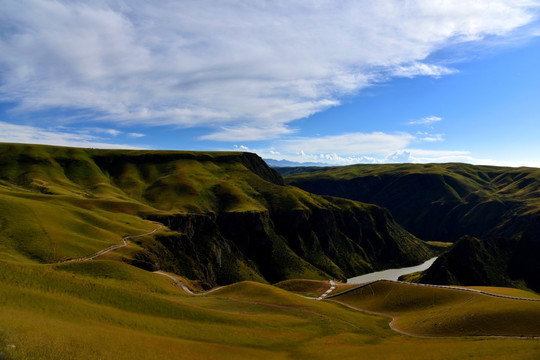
{"points": [[287, 163]]}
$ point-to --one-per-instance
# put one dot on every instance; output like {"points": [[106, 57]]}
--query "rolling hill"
{"points": [[437, 311], [103, 309]]}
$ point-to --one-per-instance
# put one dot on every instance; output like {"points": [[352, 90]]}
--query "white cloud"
{"points": [[426, 156], [111, 132], [429, 137], [55, 136], [247, 133], [136, 135], [417, 68], [348, 144], [240, 67], [428, 120]]}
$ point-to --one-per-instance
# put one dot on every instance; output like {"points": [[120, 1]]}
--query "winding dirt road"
{"points": [[327, 292], [114, 247], [325, 296], [447, 287], [183, 286]]}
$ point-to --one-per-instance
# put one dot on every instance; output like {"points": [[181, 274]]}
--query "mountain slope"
{"points": [[443, 202], [229, 216]]}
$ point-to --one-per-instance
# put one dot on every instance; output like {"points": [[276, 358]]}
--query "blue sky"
{"points": [[307, 81]]}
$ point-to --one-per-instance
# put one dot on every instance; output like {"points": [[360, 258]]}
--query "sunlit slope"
{"points": [[227, 216], [50, 228], [110, 310], [430, 311], [507, 291]]}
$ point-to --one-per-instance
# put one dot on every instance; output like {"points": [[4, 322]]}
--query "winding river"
{"points": [[390, 274]]}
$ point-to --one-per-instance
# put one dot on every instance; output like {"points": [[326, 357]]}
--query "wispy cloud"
{"points": [[418, 68], [54, 136], [348, 144], [136, 135], [248, 133], [227, 65], [429, 137], [241, 148], [428, 120]]}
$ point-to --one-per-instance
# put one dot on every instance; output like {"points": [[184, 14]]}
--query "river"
{"points": [[390, 274]]}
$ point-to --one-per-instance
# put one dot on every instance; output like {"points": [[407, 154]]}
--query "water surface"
{"points": [[390, 274]]}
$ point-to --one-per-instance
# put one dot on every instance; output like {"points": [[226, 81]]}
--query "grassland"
{"points": [[495, 208], [507, 291], [62, 203], [429, 311], [227, 216], [311, 288], [110, 310]]}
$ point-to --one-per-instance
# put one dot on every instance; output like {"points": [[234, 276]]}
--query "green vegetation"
{"points": [[104, 309], [507, 291], [227, 216], [500, 206], [311, 288], [430, 311]]}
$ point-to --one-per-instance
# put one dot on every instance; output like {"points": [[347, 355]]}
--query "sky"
{"points": [[335, 82]]}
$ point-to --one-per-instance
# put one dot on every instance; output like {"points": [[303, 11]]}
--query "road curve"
{"points": [[183, 286], [448, 287], [393, 326], [114, 247], [327, 292]]}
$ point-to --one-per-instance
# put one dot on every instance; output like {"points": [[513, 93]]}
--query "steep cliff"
{"points": [[444, 202], [229, 216]]}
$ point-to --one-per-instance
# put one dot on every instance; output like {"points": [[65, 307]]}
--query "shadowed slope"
{"points": [[498, 205]]}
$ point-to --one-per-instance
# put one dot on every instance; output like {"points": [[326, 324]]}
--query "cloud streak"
{"points": [[428, 120], [57, 136], [224, 64], [349, 144]]}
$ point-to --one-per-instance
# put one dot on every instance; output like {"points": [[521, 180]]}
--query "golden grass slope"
{"points": [[311, 288], [109, 310], [429, 311]]}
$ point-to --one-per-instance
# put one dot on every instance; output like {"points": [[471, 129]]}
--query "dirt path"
{"points": [[183, 286], [394, 327], [447, 287], [114, 247], [327, 292]]}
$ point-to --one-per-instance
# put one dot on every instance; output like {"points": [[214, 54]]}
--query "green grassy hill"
{"points": [[429, 311], [444, 202], [227, 216], [110, 310]]}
